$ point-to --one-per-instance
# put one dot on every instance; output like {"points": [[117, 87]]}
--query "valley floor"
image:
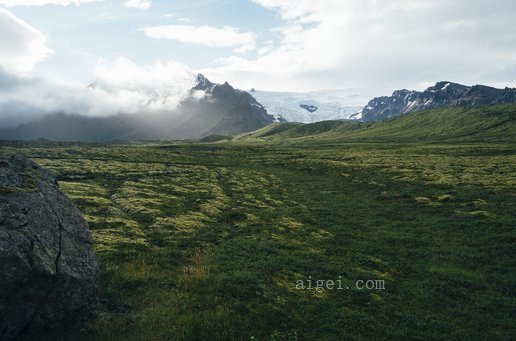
{"points": [[211, 242]]}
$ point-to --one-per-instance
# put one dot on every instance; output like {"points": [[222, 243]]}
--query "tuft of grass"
{"points": [[444, 198]]}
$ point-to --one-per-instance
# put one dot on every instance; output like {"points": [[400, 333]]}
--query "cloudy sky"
{"points": [[296, 45]]}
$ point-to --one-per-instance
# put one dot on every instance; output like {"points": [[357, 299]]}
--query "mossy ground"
{"points": [[206, 242]]}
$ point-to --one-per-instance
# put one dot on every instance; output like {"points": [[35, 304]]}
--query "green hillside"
{"points": [[457, 124], [272, 130]]}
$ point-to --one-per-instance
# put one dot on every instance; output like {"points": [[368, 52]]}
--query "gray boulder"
{"points": [[48, 271]]}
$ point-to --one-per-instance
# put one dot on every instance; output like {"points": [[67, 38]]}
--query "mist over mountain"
{"points": [[120, 87], [207, 108], [442, 94]]}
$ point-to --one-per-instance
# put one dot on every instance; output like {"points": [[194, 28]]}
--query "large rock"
{"points": [[48, 271]]}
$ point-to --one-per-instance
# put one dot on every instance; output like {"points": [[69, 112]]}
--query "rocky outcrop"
{"points": [[48, 271], [309, 107], [442, 94]]}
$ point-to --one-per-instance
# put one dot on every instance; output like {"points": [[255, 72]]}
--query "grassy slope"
{"points": [[495, 123], [207, 241]]}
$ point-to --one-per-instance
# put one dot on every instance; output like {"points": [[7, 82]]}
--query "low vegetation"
{"points": [[208, 241]]}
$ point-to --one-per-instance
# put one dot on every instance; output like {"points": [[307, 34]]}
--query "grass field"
{"points": [[209, 241]]}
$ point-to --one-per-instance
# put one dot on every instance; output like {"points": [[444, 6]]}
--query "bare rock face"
{"points": [[48, 271]]}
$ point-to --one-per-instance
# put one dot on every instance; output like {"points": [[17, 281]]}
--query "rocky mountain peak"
{"points": [[202, 83]]}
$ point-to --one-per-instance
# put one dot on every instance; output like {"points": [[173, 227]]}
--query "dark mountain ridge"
{"points": [[442, 94]]}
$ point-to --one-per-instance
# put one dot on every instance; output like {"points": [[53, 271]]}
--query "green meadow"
{"points": [[210, 240]]}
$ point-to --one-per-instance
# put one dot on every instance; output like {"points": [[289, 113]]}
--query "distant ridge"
{"points": [[442, 94]]}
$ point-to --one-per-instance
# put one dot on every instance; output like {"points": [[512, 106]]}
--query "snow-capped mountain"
{"points": [[442, 94], [309, 107]]}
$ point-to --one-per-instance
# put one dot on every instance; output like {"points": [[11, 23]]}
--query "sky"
{"points": [[58, 47]]}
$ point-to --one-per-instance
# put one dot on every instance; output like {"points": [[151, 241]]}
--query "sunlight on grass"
{"points": [[204, 242]]}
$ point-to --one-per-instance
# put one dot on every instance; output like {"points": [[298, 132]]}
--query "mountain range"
{"points": [[442, 94], [211, 109], [208, 109]]}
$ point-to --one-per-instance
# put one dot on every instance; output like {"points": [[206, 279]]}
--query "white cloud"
{"points": [[11, 3], [203, 35], [378, 44], [121, 87], [21, 45], [130, 87], [138, 4]]}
